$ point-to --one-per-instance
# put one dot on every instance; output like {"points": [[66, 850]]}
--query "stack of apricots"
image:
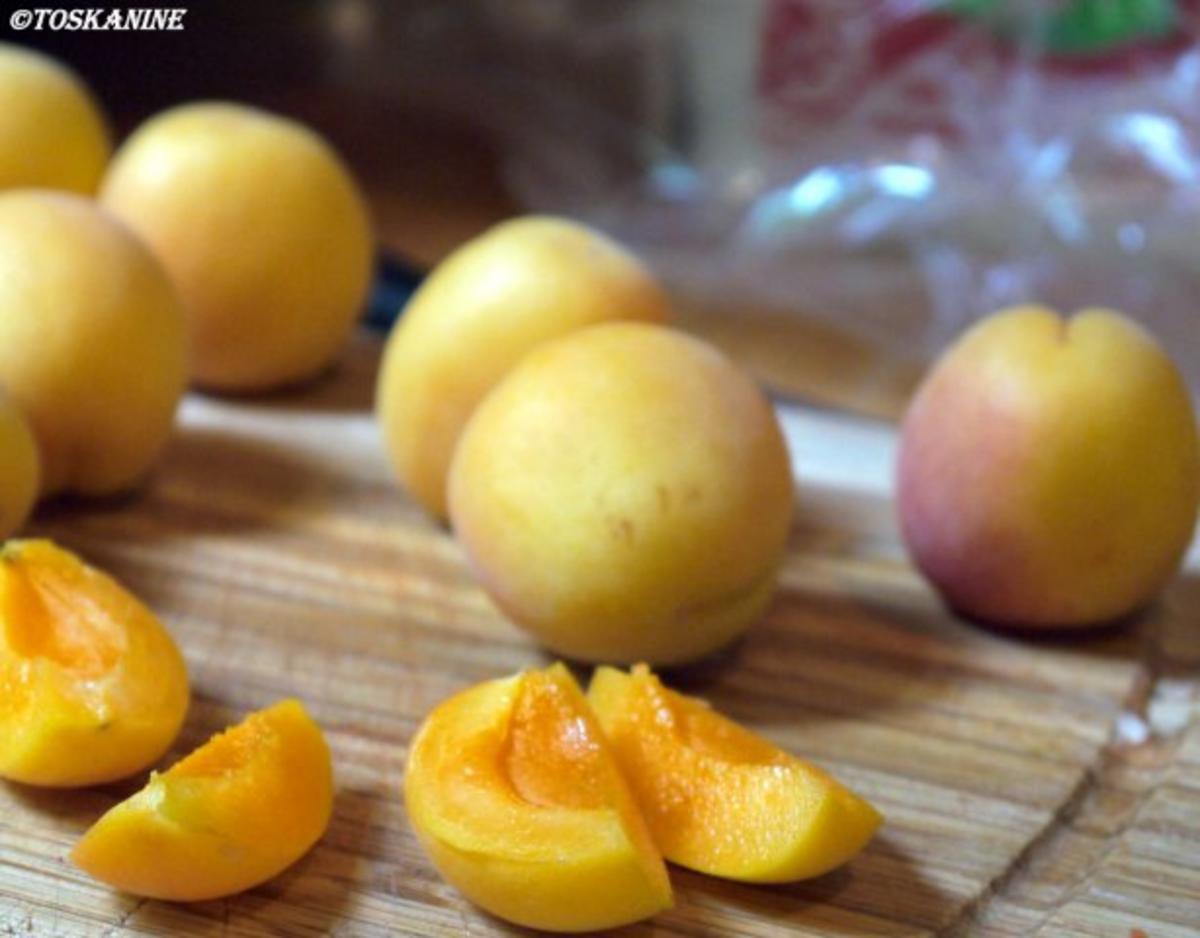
{"points": [[622, 491], [221, 246]]}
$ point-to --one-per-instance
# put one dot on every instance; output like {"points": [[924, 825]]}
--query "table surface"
{"points": [[1045, 787]]}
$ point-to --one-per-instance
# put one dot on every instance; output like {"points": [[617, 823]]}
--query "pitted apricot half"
{"points": [[239, 810], [92, 687], [718, 798], [513, 792]]}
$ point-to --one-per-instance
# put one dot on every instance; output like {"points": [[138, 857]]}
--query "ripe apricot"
{"points": [[18, 468], [232, 814], [483, 308], [718, 798], [513, 793], [52, 134], [625, 494], [262, 228], [91, 341], [1048, 473], [92, 688]]}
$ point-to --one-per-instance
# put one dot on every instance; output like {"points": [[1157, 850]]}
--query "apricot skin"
{"points": [[18, 469], [262, 228], [236, 812], [91, 341], [512, 793], [1049, 470], [625, 494], [481, 310], [52, 134], [92, 688], [718, 798]]}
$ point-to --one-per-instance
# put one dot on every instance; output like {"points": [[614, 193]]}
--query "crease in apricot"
{"points": [[92, 687], [718, 798], [514, 794], [234, 813]]}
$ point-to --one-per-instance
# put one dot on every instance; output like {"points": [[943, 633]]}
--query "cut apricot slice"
{"points": [[513, 792], [718, 798], [237, 811], [92, 688]]}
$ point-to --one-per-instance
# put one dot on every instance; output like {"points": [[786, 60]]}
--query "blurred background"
{"points": [[833, 188]]}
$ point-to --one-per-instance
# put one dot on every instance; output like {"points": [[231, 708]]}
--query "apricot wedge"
{"points": [[513, 793], [718, 798], [234, 813], [92, 687]]}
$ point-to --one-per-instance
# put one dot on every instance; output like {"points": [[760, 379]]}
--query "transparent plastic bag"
{"points": [[890, 169]]}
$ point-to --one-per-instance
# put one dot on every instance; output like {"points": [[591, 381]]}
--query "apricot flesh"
{"points": [[513, 793], [483, 308], [19, 469], [264, 231], [91, 341], [92, 688], [234, 813], [52, 134], [625, 494], [1049, 469], [718, 798]]}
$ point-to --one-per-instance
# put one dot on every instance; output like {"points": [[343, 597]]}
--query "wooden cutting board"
{"points": [[1031, 787]]}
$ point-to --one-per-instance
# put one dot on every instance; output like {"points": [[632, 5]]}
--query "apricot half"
{"points": [[240, 809], [513, 792], [718, 798], [92, 688]]}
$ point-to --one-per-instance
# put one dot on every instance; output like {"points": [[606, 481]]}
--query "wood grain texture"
{"points": [[276, 546]]}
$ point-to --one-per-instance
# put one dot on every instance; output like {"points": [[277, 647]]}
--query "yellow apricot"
{"points": [[18, 468], [92, 688], [483, 308], [513, 793], [718, 798], [52, 134], [237, 811], [1049, 469], [91, 341], [625, 494], [264, 231]]}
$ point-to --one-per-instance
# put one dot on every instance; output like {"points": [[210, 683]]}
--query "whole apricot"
{"points": [[625, 494], [91, 340], [264, 231], [481, 310], [52, 134], [1049, 469], [18, 469]]}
